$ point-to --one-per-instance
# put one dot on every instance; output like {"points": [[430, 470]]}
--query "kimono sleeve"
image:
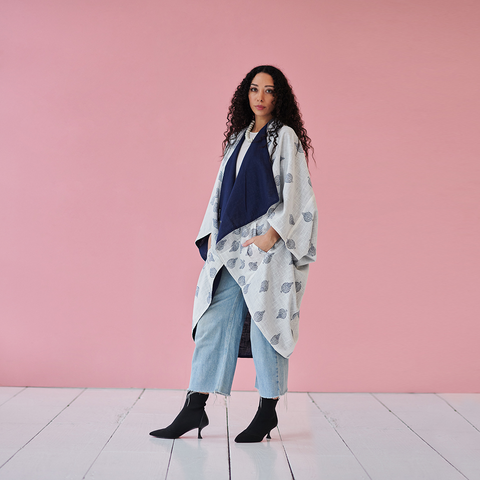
{"points": [[210, 219], [295, 218]]}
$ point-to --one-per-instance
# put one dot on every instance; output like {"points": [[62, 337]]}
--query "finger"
{"points": [[248, 242]]}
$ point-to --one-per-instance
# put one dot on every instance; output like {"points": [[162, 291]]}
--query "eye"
{"points": [[253, 89], [269, 90]]}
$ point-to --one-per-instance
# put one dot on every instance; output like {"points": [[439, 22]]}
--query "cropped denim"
{"points": [[217, 340]]}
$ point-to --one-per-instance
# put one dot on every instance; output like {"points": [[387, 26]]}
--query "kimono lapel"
{"points": [[253, 192]]}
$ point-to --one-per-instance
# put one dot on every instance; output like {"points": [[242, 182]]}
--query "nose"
{"points": [[260, 96]]}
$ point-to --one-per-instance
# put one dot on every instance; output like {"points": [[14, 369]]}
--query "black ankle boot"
{"points": [[191, 416], [264, 421]]}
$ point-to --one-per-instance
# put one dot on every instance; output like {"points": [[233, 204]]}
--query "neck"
{"points": [[260, 122]]}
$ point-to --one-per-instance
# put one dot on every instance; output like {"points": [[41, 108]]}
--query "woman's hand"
{"points": [[209, 241], [265, 241]]}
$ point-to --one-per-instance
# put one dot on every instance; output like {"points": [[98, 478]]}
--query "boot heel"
{"points": [[268, 435], [203, 423]]}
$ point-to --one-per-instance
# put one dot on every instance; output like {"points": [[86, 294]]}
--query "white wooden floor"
{"points": [[102, 434]]}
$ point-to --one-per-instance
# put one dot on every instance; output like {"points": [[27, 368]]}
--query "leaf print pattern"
{"points": [[235, 246], [307, 216], [312, 251], [264, 286], [245, 288], [254, 232], [282, 313], [271, 212], [258, 317], [215, 196], [250, 250], [285, 288], [275, 339], [288, 178], [298, 286], [291, 221], [213, 272], [253, 266], [221, 244], [260, 229], [277, 180], [268, 257], [237, 231], [231, 263], [244, 232], [290, 244], [241, 281], [210, 257]]}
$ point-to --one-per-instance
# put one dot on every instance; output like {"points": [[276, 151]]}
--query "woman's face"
{"points": [[261, 96]]}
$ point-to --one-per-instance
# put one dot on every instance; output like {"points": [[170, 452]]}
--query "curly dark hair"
{"points": [[286, 111]]}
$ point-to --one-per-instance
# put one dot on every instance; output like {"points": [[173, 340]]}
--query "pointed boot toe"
{"points": [[191, 416]]}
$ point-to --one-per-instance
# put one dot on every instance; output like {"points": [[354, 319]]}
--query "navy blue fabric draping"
{"points": [[248, 196]]}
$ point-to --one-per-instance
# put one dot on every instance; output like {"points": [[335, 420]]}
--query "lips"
{"points": [[259, 107]]}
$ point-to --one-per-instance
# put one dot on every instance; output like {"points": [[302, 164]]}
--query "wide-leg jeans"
{"points": [[217, 340]]}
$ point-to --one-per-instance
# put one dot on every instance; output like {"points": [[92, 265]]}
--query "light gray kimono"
{"points": [[272, 282]]}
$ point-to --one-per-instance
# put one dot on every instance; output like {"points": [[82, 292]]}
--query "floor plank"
{"points": [[27, 413], [203, 458], [69, 444], [7, 393], [466, 404], [385, 447], [264, 460], [133, 453], [313, 447], [440, 426]]}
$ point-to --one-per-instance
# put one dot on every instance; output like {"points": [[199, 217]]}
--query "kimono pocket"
{"points": [[253, 257], [272, 248]]}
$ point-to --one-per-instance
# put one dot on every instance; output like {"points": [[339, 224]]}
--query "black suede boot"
{"points": [[191, 416], [264, 421]]}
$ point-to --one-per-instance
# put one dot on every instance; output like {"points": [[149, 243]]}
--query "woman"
{"points": [[257, 239]]}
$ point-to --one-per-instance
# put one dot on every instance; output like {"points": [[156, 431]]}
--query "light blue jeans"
{"points": [[217, 340]]}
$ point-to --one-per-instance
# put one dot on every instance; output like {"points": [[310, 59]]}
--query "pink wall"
{"points": [[112, 115]]}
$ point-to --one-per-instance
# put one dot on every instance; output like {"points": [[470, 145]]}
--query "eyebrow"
{"points": [[255, 85]]}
